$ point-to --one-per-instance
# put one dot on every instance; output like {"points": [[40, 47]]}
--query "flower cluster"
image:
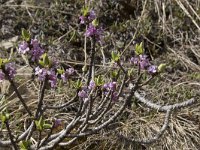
{"points": [[36, 51], [67, 74], [152, 69], [112, 86], [10, 70], [93, 29], [51, 74], [144, 63], [33, 48], [44, 73], [92, 85], [85, 90], [83, 93], [88, 18], [57, 123]]}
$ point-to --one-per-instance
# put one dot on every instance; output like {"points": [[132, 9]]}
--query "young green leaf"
{"points": [[25, 35], [139, 49], [99, 81], [114, 74], [85, 11], [161, 67], [24, 145], [115, 56], [47, 126], [95, 22], [78, 84], [60, 71], [3, 61], [40, 124]]}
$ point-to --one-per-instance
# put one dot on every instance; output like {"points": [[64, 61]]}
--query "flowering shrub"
{"points": [[95, 96]]}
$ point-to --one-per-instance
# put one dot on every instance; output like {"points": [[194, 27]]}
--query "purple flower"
{"points": [[41, 73], [134, 60], [83, 94], [143, 57], [94, 31], [10, 69], [36, 51], [2, 76], [112, 86], [57, 123], [106, 86], [92, 15], [70, 71], [152, 69], [64, 77], [52, 78], [91, 85], [91, 30], [88, 18], [67, 73], [35, 43], [23, 47], [114, 96], [38, 70], [144, 61], [82, 19]]}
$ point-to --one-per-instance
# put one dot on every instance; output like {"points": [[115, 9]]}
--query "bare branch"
{"points": [[63, 105], [40, 98], [165, 108], [17, 92], [10, 135], [21, 137], [61, 136]]}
